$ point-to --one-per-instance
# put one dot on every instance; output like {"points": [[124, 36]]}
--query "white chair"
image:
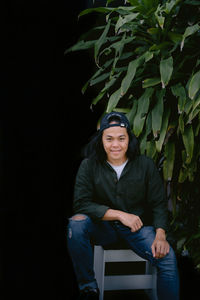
{"points": [[145, 281]]}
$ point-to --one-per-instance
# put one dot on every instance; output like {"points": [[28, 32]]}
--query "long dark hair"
{"points": [[95, 149]]}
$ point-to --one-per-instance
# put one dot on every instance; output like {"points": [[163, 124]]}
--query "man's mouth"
{"points": [[115, 151]]}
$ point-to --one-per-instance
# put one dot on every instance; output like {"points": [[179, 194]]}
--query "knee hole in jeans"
{"points": [[78, 217]]}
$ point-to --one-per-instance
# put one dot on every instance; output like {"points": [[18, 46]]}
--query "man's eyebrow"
{"points": [[108, 135]]}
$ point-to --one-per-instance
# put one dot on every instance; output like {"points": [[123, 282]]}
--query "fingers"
{"points": [[132, 221], [137, 224], [159, 250], [153, 250], [164, 250]]}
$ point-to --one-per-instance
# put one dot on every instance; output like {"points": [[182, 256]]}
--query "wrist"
{"points": [[113, 215], [121, 215], [160, 233]]}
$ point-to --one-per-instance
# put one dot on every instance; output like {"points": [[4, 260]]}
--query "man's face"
{"points": [[115, 141]]}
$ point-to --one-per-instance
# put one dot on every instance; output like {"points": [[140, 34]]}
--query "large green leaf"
{"points": [[165, 122], [196, 103], [153, 30], [132, 68], [96, 74], [96, 9], [194, 85], [193, 114], [188, 140], [105, 89], [157, 113], [170, 5], [148, 4], [101, 40], [131, 114], [166, 69], [188, 169], [144, 6], [104, 10], [189, 31], [118, 47], [188, 105], [175, 37], [107, 2], [113, 100], [150, 82], [181, 124], [179, 91], [159, 14], [99, 97], [197, 130], [148, 56], [81, 45], [125, 19], [150, 149], [107, 50], [181, 242], [126, 82], [145, 133], [161, 46], [168, 164], [142, 109], [100, 78], [192, 170], [183, 174]]}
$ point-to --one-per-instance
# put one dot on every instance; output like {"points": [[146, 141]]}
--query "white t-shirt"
{"points": [[119, 169]]}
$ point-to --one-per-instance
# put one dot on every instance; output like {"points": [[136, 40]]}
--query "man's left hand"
{"points": [[160, 246]]}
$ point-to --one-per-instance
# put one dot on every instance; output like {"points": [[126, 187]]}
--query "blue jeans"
{"points": [[82, 234]]}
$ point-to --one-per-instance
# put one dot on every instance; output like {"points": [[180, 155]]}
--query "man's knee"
{"points": [[77, 225], [169, 262], [78, 217]]}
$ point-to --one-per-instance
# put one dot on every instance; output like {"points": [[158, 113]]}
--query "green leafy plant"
{"points": [[147, 59]]}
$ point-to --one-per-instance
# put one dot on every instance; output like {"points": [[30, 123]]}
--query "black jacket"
{"points": [[139, 191]]}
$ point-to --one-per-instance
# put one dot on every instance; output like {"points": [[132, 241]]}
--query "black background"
{"points": [[45, 121]]}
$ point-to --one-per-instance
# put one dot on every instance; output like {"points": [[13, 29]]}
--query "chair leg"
{"points": [[99, 268], [154, 288], [152, 294]]}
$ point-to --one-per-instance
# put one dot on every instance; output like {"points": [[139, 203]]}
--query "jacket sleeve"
{"points": [[156, 197], [83, 193]]}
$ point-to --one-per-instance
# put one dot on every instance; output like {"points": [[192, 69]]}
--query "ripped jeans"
{"points": [[83, 233]]}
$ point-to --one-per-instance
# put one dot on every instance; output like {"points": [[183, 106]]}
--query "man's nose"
{"points": [[115, 143]]}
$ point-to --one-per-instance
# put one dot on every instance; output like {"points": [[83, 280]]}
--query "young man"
{"points": [[119, 195]]}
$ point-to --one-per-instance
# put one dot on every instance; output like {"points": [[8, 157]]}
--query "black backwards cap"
{"points": [[121, 119]]}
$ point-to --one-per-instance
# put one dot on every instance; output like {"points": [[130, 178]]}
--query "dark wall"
{"points": [[45, 121]]}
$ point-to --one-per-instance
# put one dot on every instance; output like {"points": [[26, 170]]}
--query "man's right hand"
{"points": [[130, 220]]}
